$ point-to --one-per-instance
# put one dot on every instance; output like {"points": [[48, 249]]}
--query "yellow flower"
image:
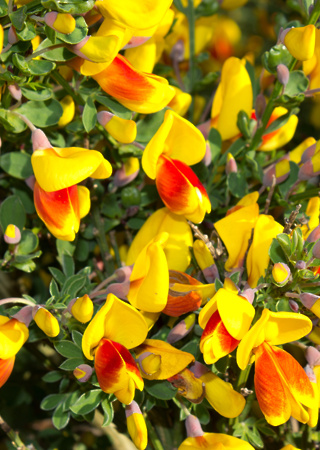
{"points": [[301, 42], [68, 107], [82, 309], [46, 322], [234, 94]]}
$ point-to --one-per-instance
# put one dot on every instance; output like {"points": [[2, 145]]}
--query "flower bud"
{"points": [[309, 152], [15, 91], [136, 426], [188, 386], [310, 169], [177, 52], [231, 165], [312, 356], [311, 301], [283, 74], [128, 172], [60, 22], [81, 308], [46, 321], [293, 306], [39, 140], [83, 372], [300, 265], [24, 315], [149, 363], [122, 130], [12, 235], [281, 273], [12, 36], [193, 426], [182, 329], [68, 107], [260, 105], [316, 250]]}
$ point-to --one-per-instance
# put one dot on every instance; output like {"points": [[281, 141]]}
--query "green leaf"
{"points": [[68, 349], [3, 8], [283, 305], [292, 178], [33, 67], [58, 275], [60, 418], [26, 199], [147, 127], [73, 285], [69, 6], [72, 363], [285, 243], [60, 54], [12, 212], [87, 402], [53, 288], [237, 184], [51, 111], [11, 122], [276, 253], [77, 338], [17, 164], [162, 390], [89, 116], [298, 83], [52, 377], [51, 401], [28, 244], [18, 17], [27, 33], [115, 107], [215, 143], [79, 33], [108, 412]]}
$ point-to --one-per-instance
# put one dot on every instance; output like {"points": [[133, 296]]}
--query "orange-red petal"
{"points": [[216, 341], [6, 366], [180, 189], [59, 210], [139, 91]]}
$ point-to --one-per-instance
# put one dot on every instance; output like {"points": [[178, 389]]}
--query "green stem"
{"points": [[43, 50], [66, 86], [315, 13], [24, 301], [102, 241], [153, 436], [243, 377]]}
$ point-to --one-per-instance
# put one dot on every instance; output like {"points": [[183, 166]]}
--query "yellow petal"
{"points": [[172, 359], [47, 322], [234, 94], [58, 168], [84, 201], [180, 102], [301, 42], [202, 254], [149, 281], [208, 310], [177, 246], [283, 327], [68, 107], [137, 15], [13, 334], [265, 230], [122, 130], [236, 313], [235, 231], [117, 321], [222, 397], [82, 309], [176, 138], [143, 57], [64, 23]]}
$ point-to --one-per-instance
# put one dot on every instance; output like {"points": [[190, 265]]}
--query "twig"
{"points": [[270, 194], [14, 436], [289, 222], [204, 238], [24, 301]]}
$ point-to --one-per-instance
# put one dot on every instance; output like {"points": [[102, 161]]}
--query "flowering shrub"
{"points": [[160, 224]]}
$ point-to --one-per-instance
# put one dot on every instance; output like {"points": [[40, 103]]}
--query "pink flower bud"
{"points": [[314, 235], [312, 356], [193, 426], [231, 165], [15, 91], [260, 105], [293, 305], [281, 273], [300, 265], [12, 36], [12, 235], [39, 140], [208, 156], [283, 74], [177, 52], [182, 329], [83, 372], [124, 273], [307, 171], [316, 250]]}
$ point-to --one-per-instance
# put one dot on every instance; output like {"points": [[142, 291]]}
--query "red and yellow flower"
{"points": [[282, 387], [176, 145], [115, 329]]}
